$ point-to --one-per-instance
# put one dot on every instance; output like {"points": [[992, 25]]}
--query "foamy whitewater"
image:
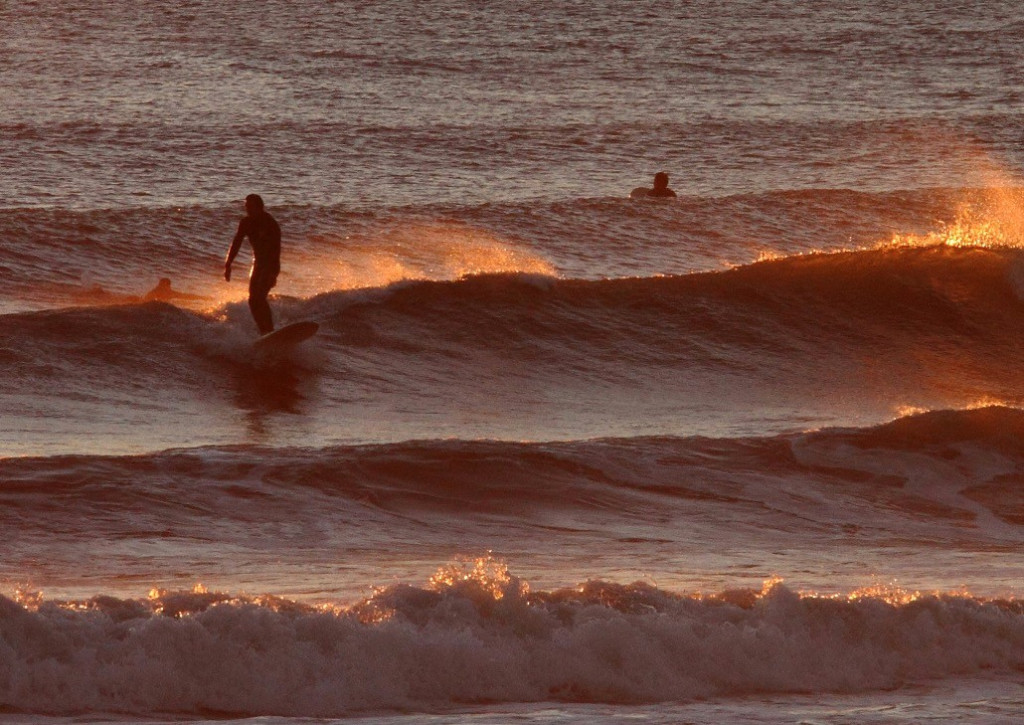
{"points": [[556, 455]]}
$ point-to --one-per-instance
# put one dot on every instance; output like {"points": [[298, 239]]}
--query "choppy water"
{"points": [[556, 455]]}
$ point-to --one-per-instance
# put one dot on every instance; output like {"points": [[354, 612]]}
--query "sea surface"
{"points": [[753, 454]]}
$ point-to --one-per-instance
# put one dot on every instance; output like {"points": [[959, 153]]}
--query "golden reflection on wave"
{"points": [[486, 581], [993, 220], [437, 251], [487, 573], [909, 411]]}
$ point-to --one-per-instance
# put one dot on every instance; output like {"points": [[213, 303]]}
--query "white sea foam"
{"points": [[483, 638]]}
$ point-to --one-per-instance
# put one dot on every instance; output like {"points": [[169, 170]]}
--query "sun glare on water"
{"points": [[438, 251], [487, 573], [994, 220]]}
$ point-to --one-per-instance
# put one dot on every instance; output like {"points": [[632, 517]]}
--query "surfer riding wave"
{"points": [[265, 239]]}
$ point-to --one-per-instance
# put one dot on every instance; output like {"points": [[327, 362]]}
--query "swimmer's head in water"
{"points": [[253, 203], [661, 180]]}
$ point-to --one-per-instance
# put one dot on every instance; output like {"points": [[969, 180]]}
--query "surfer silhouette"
{"points": [[660, 188], [265, 239]]}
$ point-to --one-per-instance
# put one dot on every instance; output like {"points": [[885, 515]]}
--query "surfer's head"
{"points": [[253, 203], [661, 180]]}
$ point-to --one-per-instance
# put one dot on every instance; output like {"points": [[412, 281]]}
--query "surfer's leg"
{"points": [[258, 305]]}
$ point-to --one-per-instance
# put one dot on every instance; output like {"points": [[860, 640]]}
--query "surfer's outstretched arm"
{"points": [[236, 244]]}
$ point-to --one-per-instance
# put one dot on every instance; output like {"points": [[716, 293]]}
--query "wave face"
{"points": [[478, 638], [792, 308], [846, 338]]}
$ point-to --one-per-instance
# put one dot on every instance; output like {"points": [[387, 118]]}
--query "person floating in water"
{"points": [[164, 293], [660, 188], [265, 239]]}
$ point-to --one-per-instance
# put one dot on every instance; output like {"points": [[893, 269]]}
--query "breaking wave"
{"points": [[477, 634], [949, 319]]}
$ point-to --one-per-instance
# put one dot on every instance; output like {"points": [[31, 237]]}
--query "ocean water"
{"points": [[556, 455]]}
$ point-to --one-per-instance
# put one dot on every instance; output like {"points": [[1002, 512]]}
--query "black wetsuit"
{"points": [[265, 239]]}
